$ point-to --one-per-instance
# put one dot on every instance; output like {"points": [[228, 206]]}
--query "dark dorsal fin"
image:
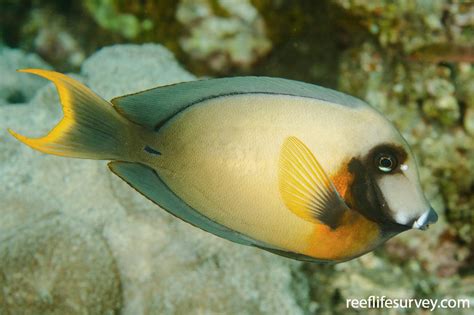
{"points": [[151, 108]]}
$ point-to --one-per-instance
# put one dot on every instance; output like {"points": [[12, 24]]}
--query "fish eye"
{"points": [[386, 162]]}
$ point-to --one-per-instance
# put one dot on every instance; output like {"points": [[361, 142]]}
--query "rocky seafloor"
{"points": [[74, 239]]}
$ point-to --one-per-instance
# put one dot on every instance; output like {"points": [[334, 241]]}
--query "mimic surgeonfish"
{"points": [[293, 168]]}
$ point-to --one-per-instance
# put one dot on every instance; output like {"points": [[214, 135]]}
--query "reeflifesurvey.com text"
{"points": [[374, 302]]}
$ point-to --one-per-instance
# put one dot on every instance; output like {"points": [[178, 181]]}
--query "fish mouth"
{"points": [[427, 218]]}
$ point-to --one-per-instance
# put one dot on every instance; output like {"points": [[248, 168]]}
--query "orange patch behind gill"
{"points": [[355, 236]]}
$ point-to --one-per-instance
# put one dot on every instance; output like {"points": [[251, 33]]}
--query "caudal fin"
{"points": [[90, 128]]}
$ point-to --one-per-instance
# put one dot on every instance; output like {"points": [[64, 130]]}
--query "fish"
{"points": [[443, 52], [293, 168]]}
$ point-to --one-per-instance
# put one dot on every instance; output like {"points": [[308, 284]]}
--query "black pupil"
{"points": [[386, 162]]}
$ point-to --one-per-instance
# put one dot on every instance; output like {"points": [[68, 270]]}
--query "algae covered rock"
{"points": [[127, 69], [15, 88], [223, 33], [106, 14], [57, 265], [213, 36], [149, 261]]}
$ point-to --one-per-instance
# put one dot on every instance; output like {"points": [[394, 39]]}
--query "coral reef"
{"points": [[106, 14], [47, 34], [235, 37]]}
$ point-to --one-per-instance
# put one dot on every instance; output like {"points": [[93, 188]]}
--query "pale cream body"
{"points": [[221, 157]]}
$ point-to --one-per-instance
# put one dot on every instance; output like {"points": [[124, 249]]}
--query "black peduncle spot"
{"points": [[150, 150]]}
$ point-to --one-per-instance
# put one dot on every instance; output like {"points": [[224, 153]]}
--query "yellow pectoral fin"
{"points": [[305, 188]]}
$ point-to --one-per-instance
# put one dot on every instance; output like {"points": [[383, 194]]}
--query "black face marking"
{"points": [[151, 150], [366, 195], [363, 192]]}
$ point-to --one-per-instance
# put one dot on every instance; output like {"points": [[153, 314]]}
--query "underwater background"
{"points": [[74, 239]]}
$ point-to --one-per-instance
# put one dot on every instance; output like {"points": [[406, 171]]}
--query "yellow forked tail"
{"points": [[90, 128]]}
